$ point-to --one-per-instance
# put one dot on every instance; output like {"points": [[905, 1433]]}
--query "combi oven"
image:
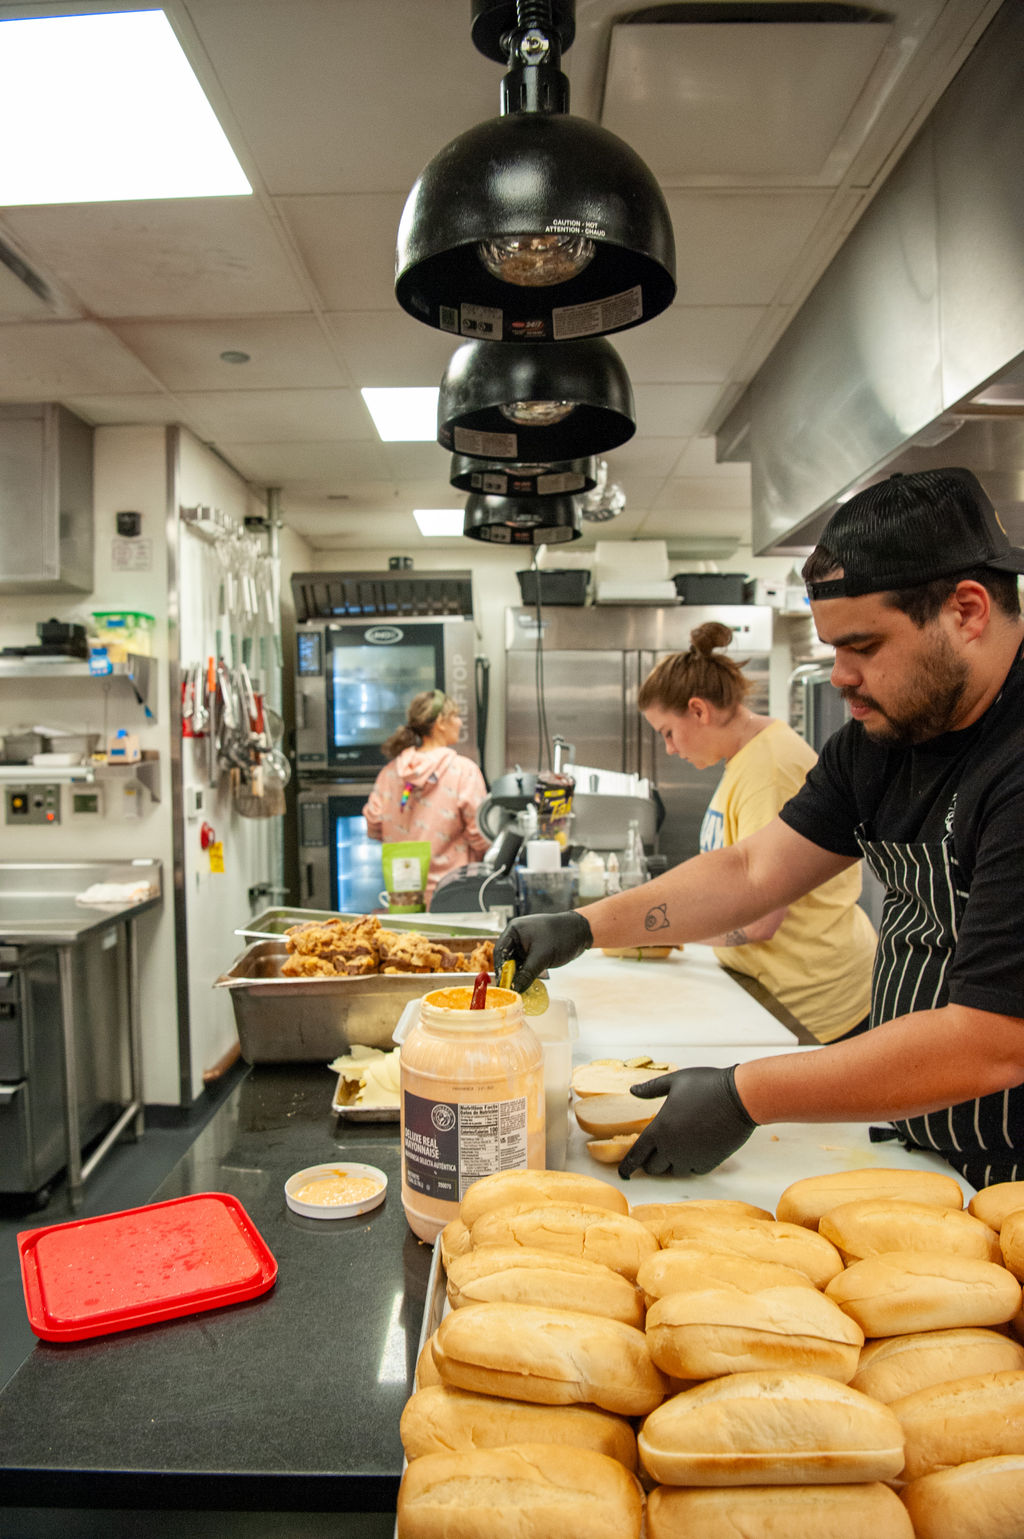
{"points": [[355, 679]]}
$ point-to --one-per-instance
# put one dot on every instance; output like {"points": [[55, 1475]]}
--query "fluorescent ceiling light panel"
{"points": [[106, 108], [406, 414], [439, 521]]}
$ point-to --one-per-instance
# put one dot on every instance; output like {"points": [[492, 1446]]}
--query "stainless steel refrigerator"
{"points": [[578, 674]]}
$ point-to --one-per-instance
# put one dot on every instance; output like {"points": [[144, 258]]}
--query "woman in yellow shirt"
{"points": [[815, 957]]}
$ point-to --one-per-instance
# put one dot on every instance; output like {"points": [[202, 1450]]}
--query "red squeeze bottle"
{"points": [[479, 1000]]}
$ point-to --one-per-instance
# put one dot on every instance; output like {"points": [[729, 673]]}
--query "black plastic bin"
{"points": [[558, 585], [711, 587]]}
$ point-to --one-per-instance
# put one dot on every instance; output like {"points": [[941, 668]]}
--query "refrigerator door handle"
{"points": [[631, 737]]}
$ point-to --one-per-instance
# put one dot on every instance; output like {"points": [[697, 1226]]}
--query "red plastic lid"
{"points": [[121, 1270]]}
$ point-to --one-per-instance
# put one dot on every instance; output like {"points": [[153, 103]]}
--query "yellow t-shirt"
{"points": [[818, 962]]}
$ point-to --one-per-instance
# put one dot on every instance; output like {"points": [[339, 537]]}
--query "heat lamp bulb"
{"points": [[536, 261], [537, 414]]}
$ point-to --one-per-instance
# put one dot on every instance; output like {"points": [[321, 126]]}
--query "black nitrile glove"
{"points": [[538, 941], [702, 1122]]}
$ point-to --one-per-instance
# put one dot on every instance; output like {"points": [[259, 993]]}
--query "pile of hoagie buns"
{"points": [[849, 1366]]}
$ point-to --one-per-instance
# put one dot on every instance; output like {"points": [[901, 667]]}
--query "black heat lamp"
{"points": [[496, 479], [522, 520], [535, 226], [532, 403]]}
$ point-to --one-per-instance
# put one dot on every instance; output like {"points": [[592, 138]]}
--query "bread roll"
{"points": [[770, 1428], [659, 1216], [445, 1420], [614, 1239], [683, 1269], [805, 1201], [512, 1274], [895, 1366], [609, 1151], [536, 1186], [761, 1240], [455, 1241], [426, 1369], [609, 1116], [980, 1500], [875, 1225], [722, 1330], [1011, 1243], [548, 1357], [613, 1076], [867, 1511], [993, 1204], [971, 1418], [917, 1290], [529, 1491]]}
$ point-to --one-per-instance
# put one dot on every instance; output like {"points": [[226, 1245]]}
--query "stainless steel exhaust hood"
{"points": [[908, 353]]}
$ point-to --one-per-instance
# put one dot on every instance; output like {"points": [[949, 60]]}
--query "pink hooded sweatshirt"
{"points": [[444, 791]]}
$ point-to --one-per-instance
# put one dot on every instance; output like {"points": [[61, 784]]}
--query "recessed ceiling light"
{"points": [[403, 415], [105, 108], [439, 521], [231, 356]]}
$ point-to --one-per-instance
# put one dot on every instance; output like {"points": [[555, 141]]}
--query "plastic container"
{"points": [[558, 1028], [556, 585], [711, 587], [337, 1190], [128, 630], [591, 877], [472, 1101], [546, 892]]}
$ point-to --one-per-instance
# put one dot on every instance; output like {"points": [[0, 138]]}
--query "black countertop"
{"points": [[288, 1402]]}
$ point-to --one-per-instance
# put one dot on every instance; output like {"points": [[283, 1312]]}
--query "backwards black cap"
{"points": [[909, 529]]}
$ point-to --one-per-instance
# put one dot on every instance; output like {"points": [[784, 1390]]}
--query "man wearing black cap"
{"points": [[914, 584]]}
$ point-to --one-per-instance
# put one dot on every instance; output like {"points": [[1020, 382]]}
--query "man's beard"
{"points": [[929, 708]]}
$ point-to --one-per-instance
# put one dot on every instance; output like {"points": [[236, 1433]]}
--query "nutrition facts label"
{"points": [[448, 1146]]}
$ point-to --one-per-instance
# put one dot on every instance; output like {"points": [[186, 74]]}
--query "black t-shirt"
{"points": [[974, 780]]}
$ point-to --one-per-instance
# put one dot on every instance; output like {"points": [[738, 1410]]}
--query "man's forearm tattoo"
{"points": [[736, 938], [656, 918]]}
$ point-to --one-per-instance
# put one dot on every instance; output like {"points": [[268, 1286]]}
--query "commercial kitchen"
{"points": [[206, 537]]}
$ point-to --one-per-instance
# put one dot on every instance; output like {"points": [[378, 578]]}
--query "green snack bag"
{"points": [[406, 868]]}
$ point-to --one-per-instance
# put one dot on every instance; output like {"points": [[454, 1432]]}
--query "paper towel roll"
{"points": [[543, 855]]}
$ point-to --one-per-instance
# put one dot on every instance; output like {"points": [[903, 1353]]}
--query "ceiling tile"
{"points": [[705, 493], [285, 416], [348, 245], [737, 100], [688, 345], [644, 454], [125, 410], [737, 248], [387, 347], [46, 362], [327, 466], [283, 352], [182, 256], [673, 411]]}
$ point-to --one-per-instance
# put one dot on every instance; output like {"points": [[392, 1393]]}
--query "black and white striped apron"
{"points": [[921, 915]]}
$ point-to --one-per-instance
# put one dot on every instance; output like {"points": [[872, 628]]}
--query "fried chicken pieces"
{"points": [[336, 949]]}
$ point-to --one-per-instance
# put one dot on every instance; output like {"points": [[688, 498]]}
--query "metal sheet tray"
{"points": [[298, 1020], [275, 921]]}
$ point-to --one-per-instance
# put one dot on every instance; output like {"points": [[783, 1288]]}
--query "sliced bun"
{"points": [[806, 1200], [445, 1420], [786, 1244], [867, 1511], [1011, 1243], [426, 1369], [606, 1116], [688, 1269], [454, 1240], [917, 1290], [995, 1203], [895, 1366], [613, 1076], [875, 1225], [535, 1186], [723, 1330], [980, 1500], [609, 1151], [527, 1491], [594, 1234], [514, 1274], [971, 1418], [548, 1357], [660, 1216], [771, 1428]]}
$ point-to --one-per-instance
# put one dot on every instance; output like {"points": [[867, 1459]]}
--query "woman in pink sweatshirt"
{"points": [[428, 791]]}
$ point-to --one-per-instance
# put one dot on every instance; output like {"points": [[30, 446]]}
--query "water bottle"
{"points": [[633, 865]]}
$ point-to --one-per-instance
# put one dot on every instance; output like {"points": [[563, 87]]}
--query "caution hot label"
{"points": [[448, 1146]]}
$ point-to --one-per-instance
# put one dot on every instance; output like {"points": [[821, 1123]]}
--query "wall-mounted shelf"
{"points": [[146, 771], [136, 673]]}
